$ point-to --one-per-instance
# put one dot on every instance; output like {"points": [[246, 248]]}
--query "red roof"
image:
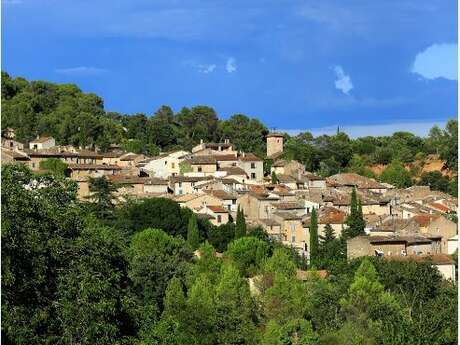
{"points": [[439, 207], [425, 219], [217, 209]]}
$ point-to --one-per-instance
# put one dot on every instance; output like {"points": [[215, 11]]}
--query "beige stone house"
{"points": [[444, 263], [69, 157], [253, 166], [164, 165], [75, 171], [327, 215], [287, 167], [203, 165], [213, 148], [196, 202], [441, 226], [218, 213], [350, 180], [256, 206], [227, 200], [292, 231], [185, 184], [309, 180], [42, 143]]}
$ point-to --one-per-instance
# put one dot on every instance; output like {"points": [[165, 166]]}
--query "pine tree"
{"points": [[355, 220], [274, 178], [329, 234], [193, 235], [240, 230], [314, 243]]}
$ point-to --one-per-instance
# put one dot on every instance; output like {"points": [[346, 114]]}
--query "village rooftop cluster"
{"points": [[215, 179]]}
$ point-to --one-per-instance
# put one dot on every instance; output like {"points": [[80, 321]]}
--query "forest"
{"points": [[77, 118], [75, 272]]}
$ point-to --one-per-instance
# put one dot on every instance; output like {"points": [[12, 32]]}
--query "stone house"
{"points": [[75, 171], [185, 184], [213, 148], [253, 166], [227, 200], [42, 143], [164, 165], [345, 181], [218, 213], [441, 226], [196, 202], [256, 206], [285, 167], [292, 231]]}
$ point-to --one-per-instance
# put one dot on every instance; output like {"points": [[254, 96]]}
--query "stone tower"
{"points": [[274, 144]]}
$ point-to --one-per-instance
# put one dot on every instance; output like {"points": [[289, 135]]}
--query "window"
{"points": [[253, 165], [234, 202], [35, 146], [11, 144], [192, 184], [219, 218], [166, 162], [173, 165], [33, 165], [292, 227], [229, 207], [180, 184], [293, 238], [180, 191], [200, 169], [253, 175]]}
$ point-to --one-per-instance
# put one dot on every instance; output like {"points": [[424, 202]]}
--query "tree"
{"points": [[154, 258], [294, 332], [371, 311], [397, 175], [91, 290], [220, 236], [435, 180], [159, 213], [234, 309], [314, 243], [53, 165], [193, 235], [40, 221], [102, 194], [274, 178], [355, 220], [247, 253], [240, 229]]}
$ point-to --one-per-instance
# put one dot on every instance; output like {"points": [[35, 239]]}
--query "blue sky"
{"points": [[299, 65]]}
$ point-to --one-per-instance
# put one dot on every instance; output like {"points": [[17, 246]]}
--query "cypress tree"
{"points": [[274, 178], [314, 243], [240, 230], [355, 220], [193, 235]]}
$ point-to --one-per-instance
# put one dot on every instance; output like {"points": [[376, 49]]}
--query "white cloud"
{"points": [[343, 81], [231, 65], [420, 128], [437, 61], [206, 68], [81, 70]]}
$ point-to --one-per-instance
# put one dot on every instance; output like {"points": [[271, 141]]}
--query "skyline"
{"points": [[299, 66]]}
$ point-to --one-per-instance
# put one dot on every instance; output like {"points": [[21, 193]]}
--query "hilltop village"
{"points": [[214, 180]]}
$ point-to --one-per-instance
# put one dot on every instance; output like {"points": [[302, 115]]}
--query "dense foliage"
{"points": [[70, 276]]}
